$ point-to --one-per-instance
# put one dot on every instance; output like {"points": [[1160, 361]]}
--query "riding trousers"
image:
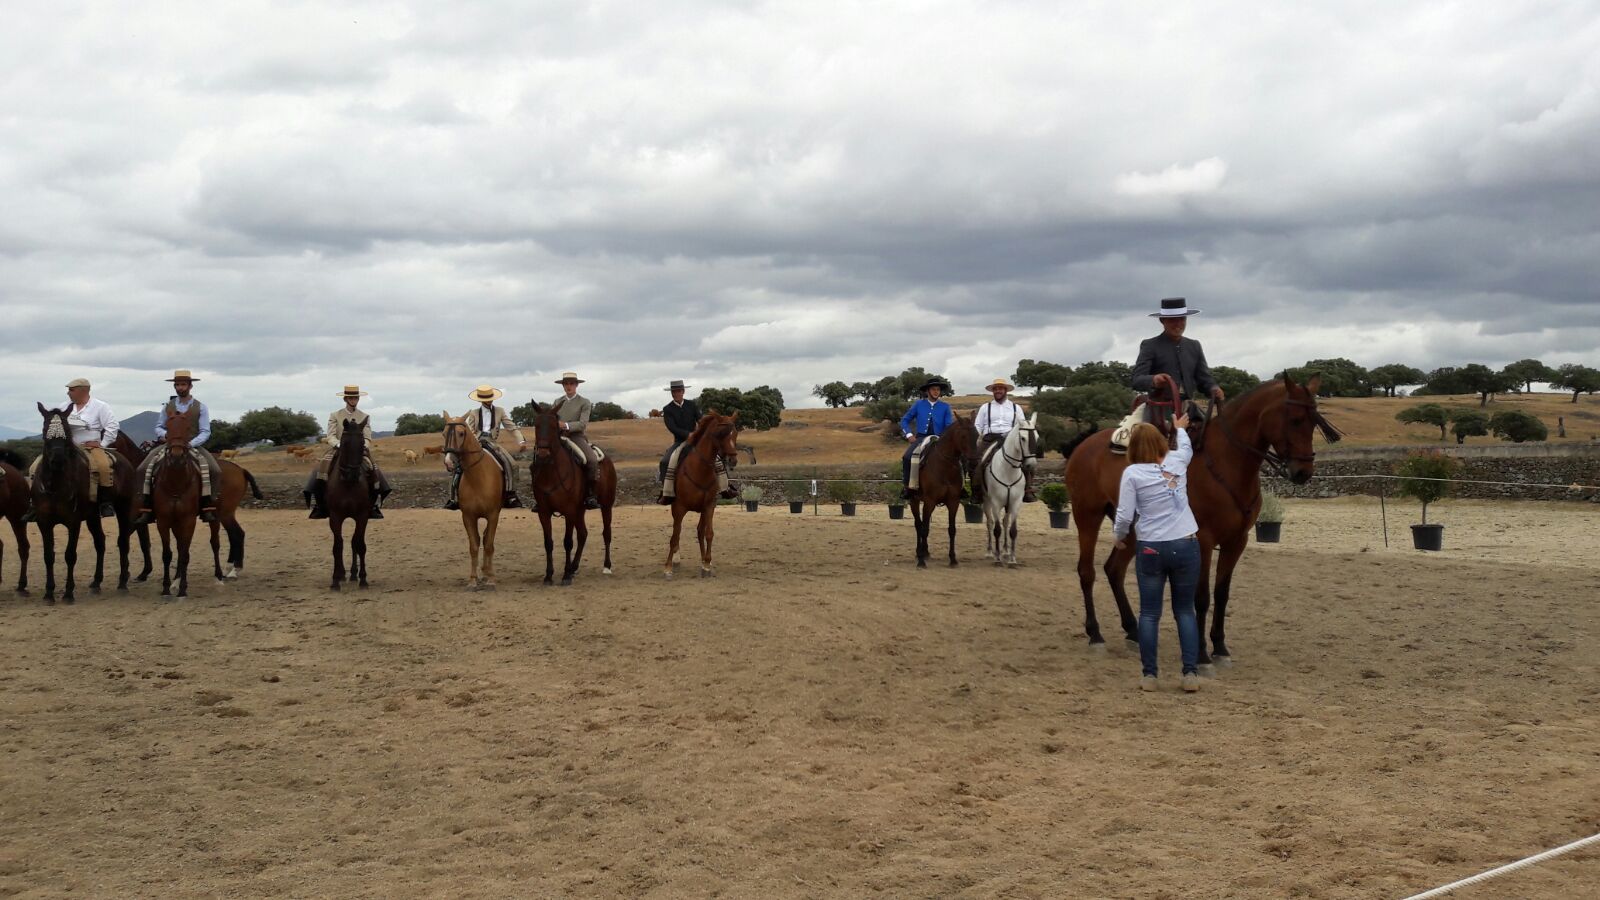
{"points": [[101, 466], [210, 471]]}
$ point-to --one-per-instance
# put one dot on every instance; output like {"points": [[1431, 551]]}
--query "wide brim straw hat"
{"points": [[484, 393], [1174, 308], [569, 376], [182, 375], [1000, 382], [351, 390]]}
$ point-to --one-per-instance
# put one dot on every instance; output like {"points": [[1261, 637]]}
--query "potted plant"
{"points": [[1054, 497], [1269, 521], [795, 493], [894, 494], [845, 494], [1422, 477], [974, 512], [751, 495]]}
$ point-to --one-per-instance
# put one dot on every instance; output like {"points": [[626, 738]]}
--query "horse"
{"points": [[63, 493], [135, 455], [558, 489], [349, 496], [695, 483], [228, 493], [175, 495], [1273, 424], [1004, 480], [13, 504], [939, 481], [478, 495]]}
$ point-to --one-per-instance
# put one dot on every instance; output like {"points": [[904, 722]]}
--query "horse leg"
{"points": [[605, 535], [1202, 605], [336, 524], [582, 527], [235, 547], [992, 545], [166, 558], [677, 529], [124, 541], [705, 543], [700, 541], [1088, 535], [922, 533], [358, 558], [1011, 549], [47, 539], [549, 544], [97, 535], [216, 551], [72, 561], [1226, 560], [144, 548], [951, 506], [490, 526], [185, 540], [20, 530], [471, 525], [1117, 573]]}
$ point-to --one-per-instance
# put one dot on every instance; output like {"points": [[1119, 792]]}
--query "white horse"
{"points": [[1003, 484]]}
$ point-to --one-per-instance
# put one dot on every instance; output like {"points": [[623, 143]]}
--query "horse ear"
{"points": [[536, 407], [1288, 380], [734, 417], [1033, 420], [42, 411], [446, 415], [1315, 384]]}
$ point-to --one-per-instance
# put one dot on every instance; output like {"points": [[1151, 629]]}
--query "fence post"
{"points": [[1383, 494]]}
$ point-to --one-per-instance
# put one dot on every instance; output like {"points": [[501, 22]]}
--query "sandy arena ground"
{"points": [[820, 719]]}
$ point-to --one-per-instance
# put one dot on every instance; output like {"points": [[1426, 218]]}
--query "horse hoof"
{"points": [[486, 587], [1098, 648], [1013, 565], [334, 587], [668, 575], [566, 582], [143, 578], [69, 600], [922, 564], [953, 564], [606, 571], [1207, 670], [22, 592], [705, 573], [1222, 660]]}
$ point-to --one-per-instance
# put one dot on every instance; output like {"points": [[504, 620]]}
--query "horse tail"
{"points": [[1069, 446], [255, 489], [13, 459]]}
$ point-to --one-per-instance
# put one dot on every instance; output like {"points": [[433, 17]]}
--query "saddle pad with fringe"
{"points": [[577, 454]]}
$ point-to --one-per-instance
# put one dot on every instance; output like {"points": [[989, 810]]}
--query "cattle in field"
{"points": [[411, 457], [433, 451], [655, 413]]}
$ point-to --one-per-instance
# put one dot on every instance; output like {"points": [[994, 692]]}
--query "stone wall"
{"points": [[1520, 464]]}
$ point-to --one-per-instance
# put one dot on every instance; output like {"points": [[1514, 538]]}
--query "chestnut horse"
{"points": [[228, 494], [558, 489], [349, 496], [13, 504], [478, 495], [63, 493], [175, 494], [696, 481], [1273, 423], [939, 481]]}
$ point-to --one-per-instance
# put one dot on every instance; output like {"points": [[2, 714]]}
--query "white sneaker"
{"points": [[1148, 683], [1191, 683]]}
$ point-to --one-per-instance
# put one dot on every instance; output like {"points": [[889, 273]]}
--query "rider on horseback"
{"points": [[681, 416], [1179, 358], [317, 485], [574, 411], [94, 427], [182, 404], [923, 422], [487, 421], [994, 421]]}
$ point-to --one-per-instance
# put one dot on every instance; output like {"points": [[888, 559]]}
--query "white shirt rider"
{"points": [[997, 417]]}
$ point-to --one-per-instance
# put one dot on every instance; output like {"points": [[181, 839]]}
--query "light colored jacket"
{"points": [[499, 421], [574, 411], [336, 420], [1158, 493]]}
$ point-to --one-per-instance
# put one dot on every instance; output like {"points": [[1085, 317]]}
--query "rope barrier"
{"points": [[1507, 869], [1538, 484]]}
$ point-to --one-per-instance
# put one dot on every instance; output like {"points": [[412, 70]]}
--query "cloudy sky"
{"points": [[290, 197]]}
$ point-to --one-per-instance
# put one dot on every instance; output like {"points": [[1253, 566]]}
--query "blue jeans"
{"points": [[1156, 563]]}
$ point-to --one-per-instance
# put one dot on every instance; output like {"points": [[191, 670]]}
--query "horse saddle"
{"points": [[577, 452]]}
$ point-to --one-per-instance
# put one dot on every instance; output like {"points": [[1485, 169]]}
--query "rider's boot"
{"points": [[510, 501], [208, 509], [455, 488], [103, 497], [319, 500], [147, 513]]}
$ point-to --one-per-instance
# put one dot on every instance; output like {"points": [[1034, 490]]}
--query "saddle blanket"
{"points": [[577, 454]]}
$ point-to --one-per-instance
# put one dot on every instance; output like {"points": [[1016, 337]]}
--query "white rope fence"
{"points": [[1508, 869], [1538, 484]]}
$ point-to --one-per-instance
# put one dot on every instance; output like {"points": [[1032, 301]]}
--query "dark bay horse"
{"points": [[63, 493], [939, 481], [349, 496], [558, 489], [1272, 424], [13, 504], [236, 482], [175, 494], [696, 481]]}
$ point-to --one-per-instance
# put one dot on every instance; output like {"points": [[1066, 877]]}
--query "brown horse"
{"points": [[349, 496], [559, 489], [696, 481], [479, 496], [939, 481], [1273, 423], [228, 494], [63, 493], [13, 504], [175, 495]]}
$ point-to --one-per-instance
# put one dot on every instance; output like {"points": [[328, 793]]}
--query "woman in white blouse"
{"points": [[1155, 487]]}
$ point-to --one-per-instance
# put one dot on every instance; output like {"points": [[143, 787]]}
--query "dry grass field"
{"points": [[843, 437], [820, 719]]}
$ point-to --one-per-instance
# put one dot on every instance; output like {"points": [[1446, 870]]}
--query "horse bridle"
{"points": [[715, 455], [1277, 464], [462, 451]]}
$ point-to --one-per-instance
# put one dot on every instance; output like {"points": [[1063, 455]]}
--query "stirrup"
{"points": [[317, 512], [664, 500], [591, 502], [452, 504], [107, 511], [376, 512], [510, 501]]}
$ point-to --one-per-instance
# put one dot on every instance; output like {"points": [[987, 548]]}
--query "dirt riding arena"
{"points": [[820, 719]]}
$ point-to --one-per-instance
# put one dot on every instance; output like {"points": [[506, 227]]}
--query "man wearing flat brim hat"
{"points": [[681, 416], [1181, 358], [995, 420], [317, 485], [185, 406], [927, 418], [573, 411], [487, 421]]}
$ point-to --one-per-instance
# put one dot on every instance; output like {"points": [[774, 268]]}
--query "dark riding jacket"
{"points": [[681, 420], [1184, 361]]}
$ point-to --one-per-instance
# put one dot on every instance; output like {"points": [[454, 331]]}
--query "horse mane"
{"points": [[703, 426], [13, 459]]}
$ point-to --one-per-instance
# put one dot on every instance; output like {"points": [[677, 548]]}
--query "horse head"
{"points": [[1289, 435], [546, 432], [964, 435], [57, 437], [721, 431], [1027, 436], [178, 436], [352, 447]]}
